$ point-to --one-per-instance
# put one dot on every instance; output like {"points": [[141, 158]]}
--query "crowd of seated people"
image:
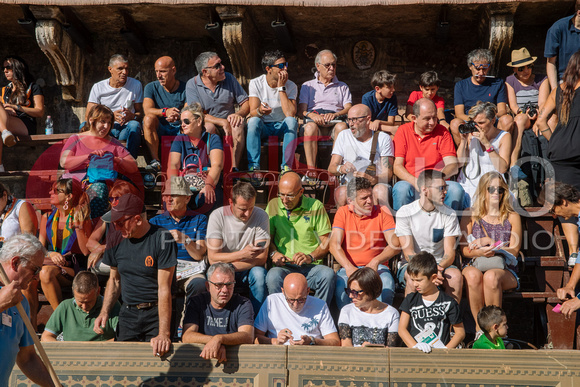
{"points": [[215, 252]]}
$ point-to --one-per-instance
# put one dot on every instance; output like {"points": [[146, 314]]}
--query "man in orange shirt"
{"points": [[363, 235], [424, 144]]}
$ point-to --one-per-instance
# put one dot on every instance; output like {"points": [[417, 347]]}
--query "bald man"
{"points": [[351, 156], [300, 229], [295, 318], [424, 144], [162, 102]]}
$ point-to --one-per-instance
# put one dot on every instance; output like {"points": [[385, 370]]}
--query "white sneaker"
{"points": [[572, 259], [2, 168], [8, 138]]}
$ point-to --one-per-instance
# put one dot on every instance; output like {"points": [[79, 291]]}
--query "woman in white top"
{"points": [[367, 321], [16, 216], [485, 150]]}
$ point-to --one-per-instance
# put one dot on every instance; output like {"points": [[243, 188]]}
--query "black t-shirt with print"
{"points": [[440, 315]]}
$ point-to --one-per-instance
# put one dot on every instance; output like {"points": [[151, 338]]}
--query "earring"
{"points": [[65, 207]]}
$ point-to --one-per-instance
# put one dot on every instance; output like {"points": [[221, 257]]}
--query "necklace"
{"points": [[428, 212]]}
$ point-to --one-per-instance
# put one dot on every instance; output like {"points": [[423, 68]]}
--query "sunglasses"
{"points": [[440, 188], [58, 190], [187, 121], [216, 66], [113, 199], [530, 66], [281, 66], [353, 293], [481, 66], [500, 190], [7, 67]]}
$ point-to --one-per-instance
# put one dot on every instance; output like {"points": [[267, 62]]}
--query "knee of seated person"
{"points": [[521, 120], [291, 123], [505, 123], [454, 125], [150, 120], [491, 279], [381, 193], [337, 129], [253, 124], [473, 276], [48, 273], [310, 129], [340, 196]]}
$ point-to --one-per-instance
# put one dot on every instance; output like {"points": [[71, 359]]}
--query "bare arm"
{"points": [[408, 246], [149, 108], [388, 252], [335, 161], [244, 335], [330, 340], [402, 173], [48, 336], [449, 251], [516, 234], [386, 169], [174, 164], [38, 110], [31, 365], [458, 337], [544, 92], [343, 111], [552, 72], [112, 292], [512, 98], [162, 342], [451, 166], [261, 338], [302, 109], [404, 331], [501, 109], [544, 115], [463, 150], [336, 238], [460, 113], [244, 259], [27, 219]]}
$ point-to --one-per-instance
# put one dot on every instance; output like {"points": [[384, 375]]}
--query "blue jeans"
{"points": [[387, 294], [320, 278], [404, 193], [131, 132], [258, 129], [255, 279]]}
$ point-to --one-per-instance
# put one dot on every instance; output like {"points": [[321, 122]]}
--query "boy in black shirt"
{"points": [[428, 314]]}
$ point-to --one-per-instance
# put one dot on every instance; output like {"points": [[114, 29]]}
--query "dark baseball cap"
{"points": [[127, 205]]}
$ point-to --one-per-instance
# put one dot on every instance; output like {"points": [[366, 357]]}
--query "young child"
{"points": [[428, 314], [493, 322], [383, 102], [429, 84]]}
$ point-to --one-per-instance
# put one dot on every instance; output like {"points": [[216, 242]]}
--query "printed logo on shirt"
{"points": [[149, 261], [309, 326], [307, 219]]}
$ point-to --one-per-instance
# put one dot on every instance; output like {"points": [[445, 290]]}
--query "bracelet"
{"points": [[311, 258], [338, 168], [164, 112], [545, 130], [211, 185]]}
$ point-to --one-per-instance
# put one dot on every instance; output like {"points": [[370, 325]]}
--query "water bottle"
{"points": [[48, 127]]}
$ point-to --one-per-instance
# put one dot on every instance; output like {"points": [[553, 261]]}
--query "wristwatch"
{"points": [[188, 240], [281, 88], [312, 341], [311, 258], [272, 254]]}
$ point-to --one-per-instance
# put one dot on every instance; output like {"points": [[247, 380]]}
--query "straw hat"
{"points": [[521, 57], [176, 186]]}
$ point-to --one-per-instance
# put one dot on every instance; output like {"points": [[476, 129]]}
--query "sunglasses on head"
{"points": [[500, 190], [530, 66], [281, 66]]}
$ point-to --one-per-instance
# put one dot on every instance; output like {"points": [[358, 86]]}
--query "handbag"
{"points": [[193, 173], [486, 263], [101, 168]]}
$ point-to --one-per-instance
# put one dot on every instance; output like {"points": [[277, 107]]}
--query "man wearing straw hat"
{"points": [[188, 229], [21, 258]]}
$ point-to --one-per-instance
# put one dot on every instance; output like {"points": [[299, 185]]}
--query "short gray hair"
{"points": [[487, 108], [117, 58], [26, 246], [202, 59], [317, 59], [226, 268], [479, 54]]}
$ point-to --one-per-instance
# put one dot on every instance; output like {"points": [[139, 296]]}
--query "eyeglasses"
{"points": [[37, 269], [220, 285], [530, 66], [440, 188], [288, 196], [56, 191], [353, 293], [216, 66], [481, 66], [281, 66], [500, 190], [328, 65], [352, 120], [300, 300]]}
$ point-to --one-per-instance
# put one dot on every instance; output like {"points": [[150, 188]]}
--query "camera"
{"points": [[530, 108], [468, 127]]}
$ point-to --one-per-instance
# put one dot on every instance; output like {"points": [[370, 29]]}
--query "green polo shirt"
{"points": [[298, 230], [484, 343], [77, 325]]}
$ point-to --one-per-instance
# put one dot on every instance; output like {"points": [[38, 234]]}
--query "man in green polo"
{"points": [[75, 317], [300, 231]]}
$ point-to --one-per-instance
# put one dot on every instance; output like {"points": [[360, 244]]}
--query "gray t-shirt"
{"points": [[234, 233], [219, 103]]}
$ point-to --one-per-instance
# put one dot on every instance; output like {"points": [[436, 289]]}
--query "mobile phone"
{"points": [[264, 104], [557, 308], [498, 245], [261, 244]]}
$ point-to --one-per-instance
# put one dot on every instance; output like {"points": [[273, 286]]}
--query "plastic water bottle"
{"points": [[48, 127]]}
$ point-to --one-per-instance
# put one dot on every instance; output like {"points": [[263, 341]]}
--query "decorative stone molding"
{"points": [[64, 55], [501, 33], [239, 41]]}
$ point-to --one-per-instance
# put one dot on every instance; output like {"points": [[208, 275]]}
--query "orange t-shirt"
{"points": [[423, 153], [364, 236]]}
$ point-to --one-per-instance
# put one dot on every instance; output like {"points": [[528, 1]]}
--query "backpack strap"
{"points": [[374, 146]]}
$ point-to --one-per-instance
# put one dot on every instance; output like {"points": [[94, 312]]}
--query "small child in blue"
{"points": [[383, 102], [428, 314], [493, 323]]}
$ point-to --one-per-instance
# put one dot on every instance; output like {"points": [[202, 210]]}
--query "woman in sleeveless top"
{"points": [[21, 104], [523, 87], [492, 220], [564, 141], [488, 149], [64, 232], [16, 216]]}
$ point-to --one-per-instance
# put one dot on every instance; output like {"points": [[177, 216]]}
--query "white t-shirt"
{"points": [[260, 89], [368, 326], [116, 98], [313, 320], [358, 152], [428, 229], [234, 233], [11, 224]]}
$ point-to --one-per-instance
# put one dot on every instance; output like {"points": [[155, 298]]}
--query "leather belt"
{"points": [[143, 305]]}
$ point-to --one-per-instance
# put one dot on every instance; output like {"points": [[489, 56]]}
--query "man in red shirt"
{"points": [[424, 144], [363, 235]]}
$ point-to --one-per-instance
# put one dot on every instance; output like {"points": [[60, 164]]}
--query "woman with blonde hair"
{"points": [[492, 224]]}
